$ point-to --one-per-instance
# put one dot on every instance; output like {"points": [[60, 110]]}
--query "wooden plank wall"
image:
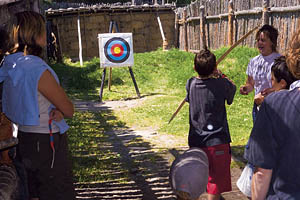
{"points": [[283, 14], [143, 26]]}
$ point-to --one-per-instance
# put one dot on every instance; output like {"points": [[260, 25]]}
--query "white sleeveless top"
{"points": [[44, 105]]}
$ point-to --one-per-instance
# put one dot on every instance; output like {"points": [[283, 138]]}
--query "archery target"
{"points": [[115, 49]]}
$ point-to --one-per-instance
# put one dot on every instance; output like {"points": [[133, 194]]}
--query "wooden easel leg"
{"points": [[102, 84], [109, 78], [134, 82]]}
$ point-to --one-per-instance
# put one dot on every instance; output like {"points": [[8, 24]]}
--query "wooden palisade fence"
{"points": [[218, 23]]}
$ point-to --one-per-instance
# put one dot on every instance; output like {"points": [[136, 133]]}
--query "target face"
{"points": [[115, 49]]}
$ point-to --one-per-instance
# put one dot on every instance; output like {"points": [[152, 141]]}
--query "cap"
{"points": [[189, 173]]}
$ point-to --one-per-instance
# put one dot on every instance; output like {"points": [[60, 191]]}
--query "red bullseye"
{"points": [[117, 50]]}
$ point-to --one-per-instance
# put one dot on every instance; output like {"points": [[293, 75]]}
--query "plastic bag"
{"points": [[244, 182]]}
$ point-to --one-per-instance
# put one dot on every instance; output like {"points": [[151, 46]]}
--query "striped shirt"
{"points": [[259, 68]]}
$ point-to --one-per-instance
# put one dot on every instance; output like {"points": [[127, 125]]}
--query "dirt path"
{"points": [[146, 157]]}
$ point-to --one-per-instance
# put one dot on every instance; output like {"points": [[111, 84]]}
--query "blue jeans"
{"points": [[254, 112], [254, 115]]}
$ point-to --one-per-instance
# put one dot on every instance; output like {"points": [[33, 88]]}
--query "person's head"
{"points": [[189, 174], [4, 38], [282, 78], [28, 33], [266, 39], [293, 55], [205, 63]]}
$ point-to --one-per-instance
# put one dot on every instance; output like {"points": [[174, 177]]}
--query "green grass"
{"points": [[161, 77]]}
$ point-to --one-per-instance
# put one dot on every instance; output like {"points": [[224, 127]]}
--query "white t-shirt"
{"points": [[259, 68], [44, 105]]}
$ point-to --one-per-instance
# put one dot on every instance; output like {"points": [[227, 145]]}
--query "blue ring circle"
{"points": [[108, 46]]}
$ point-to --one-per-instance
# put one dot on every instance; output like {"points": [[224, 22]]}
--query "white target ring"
{"points": [[115, 49]]}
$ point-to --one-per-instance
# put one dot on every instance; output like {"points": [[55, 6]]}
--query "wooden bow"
{"points": [[218, 61]]}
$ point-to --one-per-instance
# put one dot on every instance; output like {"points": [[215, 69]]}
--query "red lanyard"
{"points": [[51, 142]]}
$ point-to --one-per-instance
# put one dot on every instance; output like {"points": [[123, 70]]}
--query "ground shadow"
{"points": [[111, 161], [237, 154]]}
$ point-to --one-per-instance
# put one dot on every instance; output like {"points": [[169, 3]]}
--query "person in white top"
{"points": [[259, 74], [259, 67], [35, 101]]}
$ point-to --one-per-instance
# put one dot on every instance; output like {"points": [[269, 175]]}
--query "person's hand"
{"points": [[217, 72], [267, 91], [259, 98], [244, 90], [56, 115]]}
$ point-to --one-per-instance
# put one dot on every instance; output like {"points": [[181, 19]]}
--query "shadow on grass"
{"points": [[111, 161], [91, 95], [237, 153]]}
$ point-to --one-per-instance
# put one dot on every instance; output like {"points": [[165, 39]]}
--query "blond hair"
{"points": [[293, 54], [25, 28]]}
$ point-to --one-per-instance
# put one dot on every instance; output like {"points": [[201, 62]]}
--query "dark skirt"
{"points": [[44, 181]]}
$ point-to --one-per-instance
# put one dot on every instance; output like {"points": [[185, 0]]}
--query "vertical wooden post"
{"points": [[163, 2], [176, 32], [202, 27], [134, 83], [230, 23], [265, 13], [112, 27], [110, 78], [79, 39], [185, 30], [102, 84], [165, 42]]}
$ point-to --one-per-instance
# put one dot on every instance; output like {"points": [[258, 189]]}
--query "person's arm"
{"points": [[187, 88], [48, 87], [260, 183], [230, 90], [248, 87]]}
